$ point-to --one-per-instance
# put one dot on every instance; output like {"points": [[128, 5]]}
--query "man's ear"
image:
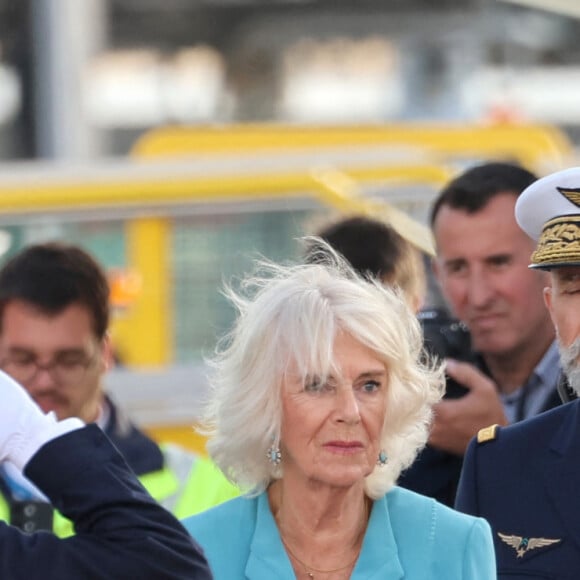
{"points": [[107, 355], [548, 302]]}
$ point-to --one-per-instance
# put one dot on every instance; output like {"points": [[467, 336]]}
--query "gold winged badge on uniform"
{"points": [[523, 545]]}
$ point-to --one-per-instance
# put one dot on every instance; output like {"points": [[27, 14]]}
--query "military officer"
{"points": [[525, 479]]}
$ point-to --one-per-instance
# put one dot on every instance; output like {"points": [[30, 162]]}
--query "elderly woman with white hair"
{"points": [[320, 398]]}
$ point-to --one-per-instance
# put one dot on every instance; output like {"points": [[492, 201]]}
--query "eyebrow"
{"points": [[569, 275], [498, 256], [373, 374], [454, 262], [60, 352], [379, 373]]}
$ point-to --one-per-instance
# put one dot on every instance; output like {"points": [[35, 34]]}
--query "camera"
{"points": [[446, 337]]}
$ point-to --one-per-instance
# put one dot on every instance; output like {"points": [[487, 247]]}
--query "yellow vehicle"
{"points": [[192, 207]]}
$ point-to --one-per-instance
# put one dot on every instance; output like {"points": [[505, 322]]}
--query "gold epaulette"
{"points": [[487, 433]]}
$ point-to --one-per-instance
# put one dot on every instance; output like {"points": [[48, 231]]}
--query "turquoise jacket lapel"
{"points": [[378, 558], [267, 557]]}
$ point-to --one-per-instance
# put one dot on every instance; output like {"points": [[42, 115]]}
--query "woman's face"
{"points": [[331, 431]]}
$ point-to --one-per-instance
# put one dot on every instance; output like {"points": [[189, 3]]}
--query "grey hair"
{"points": [[568, 358], [290, 315]]}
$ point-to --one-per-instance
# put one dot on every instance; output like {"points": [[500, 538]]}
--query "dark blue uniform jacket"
{"points": [[526, 483], [121, 532]]}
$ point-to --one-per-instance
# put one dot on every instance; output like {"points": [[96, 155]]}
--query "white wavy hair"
{"points": [[290, 315]]}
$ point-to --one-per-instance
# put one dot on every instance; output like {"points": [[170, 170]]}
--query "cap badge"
{"points": [[572, 195], [523, 545]]}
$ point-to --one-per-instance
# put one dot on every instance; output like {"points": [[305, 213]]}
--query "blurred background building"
{"points": [[84, 82], [83, 78]]}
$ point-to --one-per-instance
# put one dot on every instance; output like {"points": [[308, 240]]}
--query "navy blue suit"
{"points": [[526, 483], [121, 531]]}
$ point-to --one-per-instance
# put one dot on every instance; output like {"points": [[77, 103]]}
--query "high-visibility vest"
{"points": [[186, 485]]}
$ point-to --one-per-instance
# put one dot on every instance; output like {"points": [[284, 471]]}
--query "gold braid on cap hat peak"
{"points": [[559, 242]]}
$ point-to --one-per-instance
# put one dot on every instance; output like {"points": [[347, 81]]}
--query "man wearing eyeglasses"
{"points": [[54, 316]]}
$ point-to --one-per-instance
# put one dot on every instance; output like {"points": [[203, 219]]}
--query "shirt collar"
{"points": [[548, 369], [530, 398]]}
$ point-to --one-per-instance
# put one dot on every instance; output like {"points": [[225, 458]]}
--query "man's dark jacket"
{"points": [[121, 531]]}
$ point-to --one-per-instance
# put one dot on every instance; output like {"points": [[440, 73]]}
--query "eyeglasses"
{"points": [[65, 369]]}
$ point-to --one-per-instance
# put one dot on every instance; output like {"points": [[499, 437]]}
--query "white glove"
{"points": [[24, 428]]}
